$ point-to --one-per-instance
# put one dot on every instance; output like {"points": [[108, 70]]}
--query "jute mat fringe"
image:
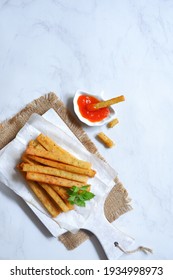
{"points": [[117, 202]]}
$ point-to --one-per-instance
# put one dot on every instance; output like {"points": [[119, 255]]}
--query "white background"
{"points": [[87, 269], [121, 47]]}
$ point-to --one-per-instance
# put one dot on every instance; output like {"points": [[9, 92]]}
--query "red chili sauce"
{"points": [[92, 116]]}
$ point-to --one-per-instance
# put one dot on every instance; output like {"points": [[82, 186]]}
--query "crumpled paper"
{"points": [[60, 133]]}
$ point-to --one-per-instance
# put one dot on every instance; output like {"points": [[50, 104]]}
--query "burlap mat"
{"points": [[116, 204]]}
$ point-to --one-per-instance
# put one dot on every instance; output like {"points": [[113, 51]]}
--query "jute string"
{"points": [[145, 250]]}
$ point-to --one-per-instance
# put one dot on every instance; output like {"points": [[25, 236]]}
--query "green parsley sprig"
{"points": [[78, 196]]}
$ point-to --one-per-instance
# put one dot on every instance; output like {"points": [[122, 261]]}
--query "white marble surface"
{"points": [[121, 47]]}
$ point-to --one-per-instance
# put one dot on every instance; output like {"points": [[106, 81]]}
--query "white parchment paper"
{"points": [[51, 124]]}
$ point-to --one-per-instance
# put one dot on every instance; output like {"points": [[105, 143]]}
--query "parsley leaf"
{"points": [[78, 196]]}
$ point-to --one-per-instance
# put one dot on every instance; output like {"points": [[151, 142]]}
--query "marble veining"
{"points": [[119, 47]]}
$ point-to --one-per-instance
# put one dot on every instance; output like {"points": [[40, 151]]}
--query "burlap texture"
{"points": [[117, 202]]}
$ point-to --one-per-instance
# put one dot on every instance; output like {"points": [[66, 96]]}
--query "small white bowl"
{"points": [[84, 120]]}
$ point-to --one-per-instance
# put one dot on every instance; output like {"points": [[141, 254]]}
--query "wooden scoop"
{"points": [[106, 103]]}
